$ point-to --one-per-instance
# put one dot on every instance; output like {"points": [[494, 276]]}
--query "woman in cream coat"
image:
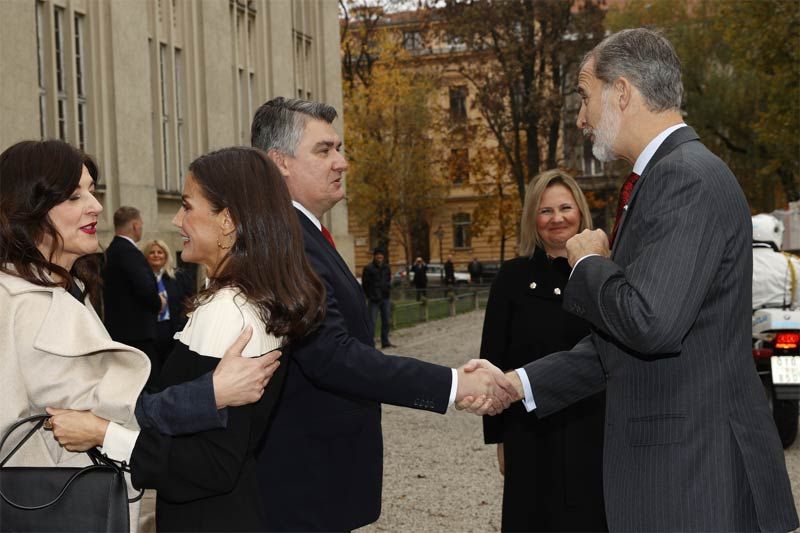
{"points": [[54, 350]]}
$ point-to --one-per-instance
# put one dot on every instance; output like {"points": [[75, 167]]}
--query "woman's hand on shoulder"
{"points": [[77, 431]]}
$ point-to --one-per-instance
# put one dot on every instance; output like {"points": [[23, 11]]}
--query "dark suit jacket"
{"points": [[689, 443], [322, 462], [130, 295]]}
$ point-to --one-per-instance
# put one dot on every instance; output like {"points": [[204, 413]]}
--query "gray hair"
{"points": [[279, 123], [647, 59]]}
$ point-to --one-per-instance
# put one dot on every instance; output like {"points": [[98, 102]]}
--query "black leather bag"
{"points": [[93, 498]]}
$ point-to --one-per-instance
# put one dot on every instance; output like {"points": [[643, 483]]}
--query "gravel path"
{"points": [[438, 474]]}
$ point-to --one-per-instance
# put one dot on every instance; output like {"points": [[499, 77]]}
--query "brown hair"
{"points": [[529, 237], [36, 176], [124, 215], [267, 261]]}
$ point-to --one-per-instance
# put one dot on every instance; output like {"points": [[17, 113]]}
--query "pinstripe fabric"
{"points": [[690, 444]]}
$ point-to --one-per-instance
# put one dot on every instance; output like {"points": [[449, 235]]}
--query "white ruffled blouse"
{"points": [[215, 324]]}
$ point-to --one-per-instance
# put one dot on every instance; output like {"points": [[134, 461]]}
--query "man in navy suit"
{"points": [[322, 463], [130, 296], [689, 442]]}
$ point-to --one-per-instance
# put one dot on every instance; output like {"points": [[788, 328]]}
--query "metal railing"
{"points": [[437, 303]]}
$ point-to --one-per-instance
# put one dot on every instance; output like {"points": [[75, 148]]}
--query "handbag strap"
{"points": [[39, 419], [100, 462], [101, 458]]}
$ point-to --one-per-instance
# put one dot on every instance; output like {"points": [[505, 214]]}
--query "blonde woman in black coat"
{"points": [[176, 286], [552, 466]]}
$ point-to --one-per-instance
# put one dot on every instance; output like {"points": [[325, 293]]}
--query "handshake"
{"points": [[483, 389]]}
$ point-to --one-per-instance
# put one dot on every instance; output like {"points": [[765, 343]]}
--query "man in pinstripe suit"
{"points": [[689, 443]]}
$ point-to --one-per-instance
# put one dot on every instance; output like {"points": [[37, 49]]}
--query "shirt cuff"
{"points": [[578, 262], [453, 388], [528, 402], [119, 442]]}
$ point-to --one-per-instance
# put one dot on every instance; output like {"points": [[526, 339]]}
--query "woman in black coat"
{"points": [[552, 466]]}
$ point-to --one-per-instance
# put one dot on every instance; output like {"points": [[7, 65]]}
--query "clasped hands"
{"points": [[483, 389]]}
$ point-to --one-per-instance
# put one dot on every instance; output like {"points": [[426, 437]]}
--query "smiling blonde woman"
{"points": [[552, 466]]}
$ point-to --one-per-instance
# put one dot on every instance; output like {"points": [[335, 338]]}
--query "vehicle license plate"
{"points": [[785, 369]]}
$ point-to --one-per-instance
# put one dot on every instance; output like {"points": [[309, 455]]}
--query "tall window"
{"points": [[61, 82], [303, 62], [459, 165], [63, 69], [458, 103], [412, 40], [461, 231], [167, 74], [165, 133], [179, 110], [40, 62], [243, 27], [80, 80]]}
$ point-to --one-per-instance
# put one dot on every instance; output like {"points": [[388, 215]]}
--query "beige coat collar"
{"points": [[65, 330]]}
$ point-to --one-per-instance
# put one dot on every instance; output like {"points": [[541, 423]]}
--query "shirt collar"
{"points": [[307, 213], [650, 150], [128, 239]]}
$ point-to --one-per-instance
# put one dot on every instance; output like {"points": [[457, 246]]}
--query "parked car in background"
{"points": [[435, 276], [489, 271]]}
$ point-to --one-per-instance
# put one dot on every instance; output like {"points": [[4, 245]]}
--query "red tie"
{"points": [[624, 197], [328, 236]]}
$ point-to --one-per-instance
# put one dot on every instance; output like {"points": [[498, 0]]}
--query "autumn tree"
{"points": [[741, 83], [392, 185], [498, 211], [518, 56]]}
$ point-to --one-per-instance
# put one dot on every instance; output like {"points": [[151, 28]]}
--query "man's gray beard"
{"points": [[606, 131]]}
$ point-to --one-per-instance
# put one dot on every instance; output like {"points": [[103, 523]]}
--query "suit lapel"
{"points": [[678, 137], [322, 243]]}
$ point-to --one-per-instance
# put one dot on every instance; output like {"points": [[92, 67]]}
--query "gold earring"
{"points": [[219, 244]]}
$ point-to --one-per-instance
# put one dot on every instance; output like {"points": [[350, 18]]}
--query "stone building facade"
{"points": [[146, 86]]}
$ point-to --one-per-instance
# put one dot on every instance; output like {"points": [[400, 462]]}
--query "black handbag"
{"points": [[92, 498]]}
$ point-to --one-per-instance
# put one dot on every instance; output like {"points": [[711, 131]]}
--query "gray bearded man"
{"points": [[689, 441]]}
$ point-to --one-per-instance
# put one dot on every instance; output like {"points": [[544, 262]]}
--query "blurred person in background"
{"points": [[420, 270], [552, 466], [377, 282], [449, 272], [775, 273], [175, 286], [475, 270], [131, 302]]}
